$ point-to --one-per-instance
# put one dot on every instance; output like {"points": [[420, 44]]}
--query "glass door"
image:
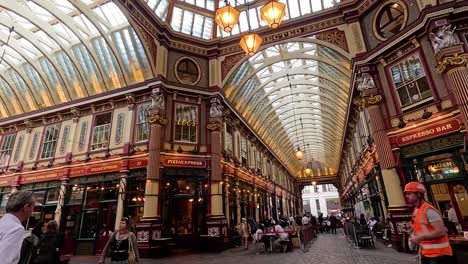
{"points": [[460, 202]]}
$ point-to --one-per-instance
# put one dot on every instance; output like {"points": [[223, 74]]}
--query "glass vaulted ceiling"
{"points": [[276, 88], [61, 50], [196, 17]]}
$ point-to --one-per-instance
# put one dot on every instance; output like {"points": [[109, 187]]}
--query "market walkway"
{"points": [[330, 249]]}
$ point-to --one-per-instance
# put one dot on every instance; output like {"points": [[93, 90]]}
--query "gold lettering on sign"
{"points": [[186, 122]]}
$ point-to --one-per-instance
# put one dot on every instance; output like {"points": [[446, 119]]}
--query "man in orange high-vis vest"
{"points": [[429, 231]]}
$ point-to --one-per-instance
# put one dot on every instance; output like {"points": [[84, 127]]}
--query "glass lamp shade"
{"points": [[226, 17], [273, 13], [299, 154], [308, 171], [250, 43], [314, 183]]}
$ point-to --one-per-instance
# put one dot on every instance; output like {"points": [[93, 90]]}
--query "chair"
{"points": [[260, 247]]}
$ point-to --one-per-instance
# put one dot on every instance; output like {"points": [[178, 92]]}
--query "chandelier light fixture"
{"points": [[227, 17], [273, 13]]}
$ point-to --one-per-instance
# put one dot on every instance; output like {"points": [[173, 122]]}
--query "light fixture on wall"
{"points": [[227, 17], [273, 13], [426, 114], [402, 123]]}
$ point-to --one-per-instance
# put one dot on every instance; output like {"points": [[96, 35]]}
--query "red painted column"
{"points": [[216, 221], [150, 226]]}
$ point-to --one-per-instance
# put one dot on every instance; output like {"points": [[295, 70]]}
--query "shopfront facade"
{"points": [[439, 161]]}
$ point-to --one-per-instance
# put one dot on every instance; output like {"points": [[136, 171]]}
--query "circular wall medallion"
{"points": [[187, 71], [390, 19]]}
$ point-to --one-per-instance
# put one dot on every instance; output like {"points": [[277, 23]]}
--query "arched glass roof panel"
{"points": [[60, 50], [293, 95]]}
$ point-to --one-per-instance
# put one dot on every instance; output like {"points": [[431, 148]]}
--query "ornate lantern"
{"points": [[299, 153], [273, 13], [308, 171], [226, 17], [250, 43]]}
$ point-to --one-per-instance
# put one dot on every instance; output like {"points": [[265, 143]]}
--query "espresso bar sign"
{"points": [[429, 132], [184, 163]]}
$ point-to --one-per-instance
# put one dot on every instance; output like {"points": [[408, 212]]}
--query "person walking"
{"points": [[122, 246], [428, 227], [245, 232], [49, 245], [333, 222], [452, 220], [31, 245], [19, 208]]}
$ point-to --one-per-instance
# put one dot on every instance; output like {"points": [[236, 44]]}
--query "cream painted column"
{"points": [[121, 196], [61, 200], [238, 207], [257, 206]]}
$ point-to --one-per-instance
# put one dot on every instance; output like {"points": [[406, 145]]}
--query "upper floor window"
{"points": [[390, 19], [142, 125], [101, 131], [186, 124], [228, 139], [6, 148], [243, 147], [49, 141], [409, 80]]}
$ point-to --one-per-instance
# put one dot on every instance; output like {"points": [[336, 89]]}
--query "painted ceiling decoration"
{"points": [[62, 50], [294, 95], [196, 17]]}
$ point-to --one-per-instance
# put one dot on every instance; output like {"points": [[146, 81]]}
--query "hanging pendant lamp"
{"points": [[226, 17], [299, 153], [273, 13], [250, 43]]}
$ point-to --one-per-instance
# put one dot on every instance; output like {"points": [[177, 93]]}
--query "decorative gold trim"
{"points": [[214, 126], [455, 60], [366, 101], [157, 119]]}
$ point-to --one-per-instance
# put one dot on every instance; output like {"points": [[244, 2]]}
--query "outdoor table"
{"points": [[271, 238]]}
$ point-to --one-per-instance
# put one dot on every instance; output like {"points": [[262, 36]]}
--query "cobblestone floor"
{"points": [[327, 248]]}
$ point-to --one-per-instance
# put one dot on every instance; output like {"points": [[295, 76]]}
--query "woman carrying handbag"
{"points": [[122, 246]]}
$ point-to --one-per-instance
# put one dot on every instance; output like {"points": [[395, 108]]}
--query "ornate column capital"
{"points": [[215, 120], [452, 61], [366, 101], [157, 118]]}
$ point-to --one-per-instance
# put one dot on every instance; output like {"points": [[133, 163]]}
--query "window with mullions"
{"points": [[6, 148], [186, 123], [142, 125], [244, 158], [49, 142], [409, 80], [101, 131], [228, 139]]}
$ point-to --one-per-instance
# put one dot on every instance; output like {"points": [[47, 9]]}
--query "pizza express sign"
{"points": [[184, 163], [429, 132]]}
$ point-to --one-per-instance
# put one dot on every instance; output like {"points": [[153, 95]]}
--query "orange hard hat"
{"points": [[415, 187]]}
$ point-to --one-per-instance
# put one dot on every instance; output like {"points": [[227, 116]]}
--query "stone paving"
{"points": [[327, 248]]}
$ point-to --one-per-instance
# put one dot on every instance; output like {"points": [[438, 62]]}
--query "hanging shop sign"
{"points": [[428, 132], [42, 176], [184, 163]]}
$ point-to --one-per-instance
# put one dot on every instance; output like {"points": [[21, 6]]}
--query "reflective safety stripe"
{"points": [[432, 246]]}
